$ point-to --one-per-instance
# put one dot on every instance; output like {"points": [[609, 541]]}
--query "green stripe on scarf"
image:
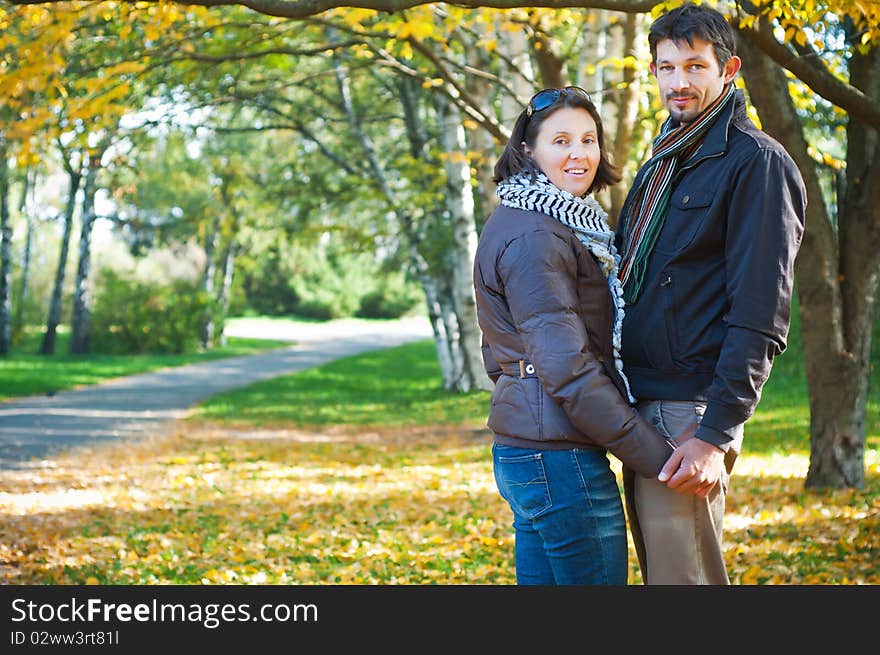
{"points": [[644, 212]]}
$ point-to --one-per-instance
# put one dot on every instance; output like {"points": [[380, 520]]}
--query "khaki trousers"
{"points": [[677, 536]]}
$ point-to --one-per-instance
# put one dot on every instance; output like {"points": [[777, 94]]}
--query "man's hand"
{"points": [[695, 467]]}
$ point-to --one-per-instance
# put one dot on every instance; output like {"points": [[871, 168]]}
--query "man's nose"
{"points": [[680, 81]]}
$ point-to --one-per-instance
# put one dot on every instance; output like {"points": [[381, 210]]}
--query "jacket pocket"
{"points": [[516, 408], [687, 212], [649, 327]]}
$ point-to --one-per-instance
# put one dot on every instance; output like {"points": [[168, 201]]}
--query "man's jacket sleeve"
{"points": [[764, 230]]}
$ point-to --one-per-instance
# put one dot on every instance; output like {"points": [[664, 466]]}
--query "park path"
{"points": [[35, 427]]}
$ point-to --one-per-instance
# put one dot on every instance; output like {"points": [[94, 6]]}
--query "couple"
{"points": [[652, 343]]}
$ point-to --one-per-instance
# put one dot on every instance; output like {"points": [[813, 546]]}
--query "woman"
{"points": [[550, 307]]}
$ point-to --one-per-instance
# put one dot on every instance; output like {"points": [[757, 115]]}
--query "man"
{"points": [[708, 237]]}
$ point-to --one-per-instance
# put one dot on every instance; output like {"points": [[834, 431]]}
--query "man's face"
{"points": [[689, 77]]}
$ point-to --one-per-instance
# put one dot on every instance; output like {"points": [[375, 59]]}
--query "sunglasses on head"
{"points": [[547, 97]]}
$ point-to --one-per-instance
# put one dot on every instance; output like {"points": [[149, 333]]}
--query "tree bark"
{"points": [[79, 339], [550, 64], [837, 273], [413, 231], [519, 74], [481, 144], [212, 238], [225, 291], [460, 206], [74, 176], [626, 105], [5, 253], [25, 208]]}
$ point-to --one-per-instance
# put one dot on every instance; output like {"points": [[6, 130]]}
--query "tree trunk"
{"points": [[518, 73], [49, 336], [836, 281], [79, 339], [410, 95], [225, 292], [5, 253], [460, 205], [550, 65], [212, 238], [625, 104], [837, 454], [25, 208], [435, 316], [481, 144]]}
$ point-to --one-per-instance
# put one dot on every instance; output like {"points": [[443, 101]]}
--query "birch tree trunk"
{"points": [[25, 208], [483, 151], [212, 238], [5, 252], [460, 205], [74, 177], [516, 68], [79, 339], [413, 230], [225, 291], [435, 304]]}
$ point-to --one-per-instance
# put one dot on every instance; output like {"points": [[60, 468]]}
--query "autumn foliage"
{"points": [[208, 505]]}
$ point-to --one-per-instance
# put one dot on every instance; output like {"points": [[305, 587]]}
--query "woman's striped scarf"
{"points": [[587, 220], [644, 212]]}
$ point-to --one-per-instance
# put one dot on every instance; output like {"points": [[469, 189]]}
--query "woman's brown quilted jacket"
{"points": [[546, 314]]}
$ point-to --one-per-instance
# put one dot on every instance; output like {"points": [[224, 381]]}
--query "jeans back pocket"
{"points": [[522, 480]]}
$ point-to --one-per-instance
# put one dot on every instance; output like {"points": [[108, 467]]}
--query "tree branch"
{"points": [[813, 72], [305, 8]]}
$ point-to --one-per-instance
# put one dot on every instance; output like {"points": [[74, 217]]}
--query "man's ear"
{"points": [[731, 68], [653, 68]]}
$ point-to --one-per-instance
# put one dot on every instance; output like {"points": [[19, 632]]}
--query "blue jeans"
{"points": [[567, 516]]}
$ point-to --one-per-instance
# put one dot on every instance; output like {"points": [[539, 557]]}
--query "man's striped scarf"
{"points": [[589, 223], [644, 212]]}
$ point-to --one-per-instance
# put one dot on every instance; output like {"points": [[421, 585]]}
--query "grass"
{"points": [[401, 386], [364, 471], [24, 373]]}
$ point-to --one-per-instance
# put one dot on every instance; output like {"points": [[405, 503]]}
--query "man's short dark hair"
{"points": [[689, 21]]}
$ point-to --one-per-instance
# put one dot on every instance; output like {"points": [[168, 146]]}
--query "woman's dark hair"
{"points": [[514, 159], [691, 21]]}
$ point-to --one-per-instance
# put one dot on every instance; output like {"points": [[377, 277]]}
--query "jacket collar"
{"points": [[715, 141]]}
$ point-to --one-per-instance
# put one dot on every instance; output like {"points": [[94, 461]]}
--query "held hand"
{"points": [[695, 467]]}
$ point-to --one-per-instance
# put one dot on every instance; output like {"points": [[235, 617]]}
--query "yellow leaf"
{"points": [[801, 38], [751, 575], [93, 581]]}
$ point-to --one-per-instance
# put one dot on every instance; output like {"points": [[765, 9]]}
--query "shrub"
{"points": [[392, 298], [132, 316]]}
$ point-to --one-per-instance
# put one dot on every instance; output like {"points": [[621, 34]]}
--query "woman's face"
{"points": [[567, 149]]}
